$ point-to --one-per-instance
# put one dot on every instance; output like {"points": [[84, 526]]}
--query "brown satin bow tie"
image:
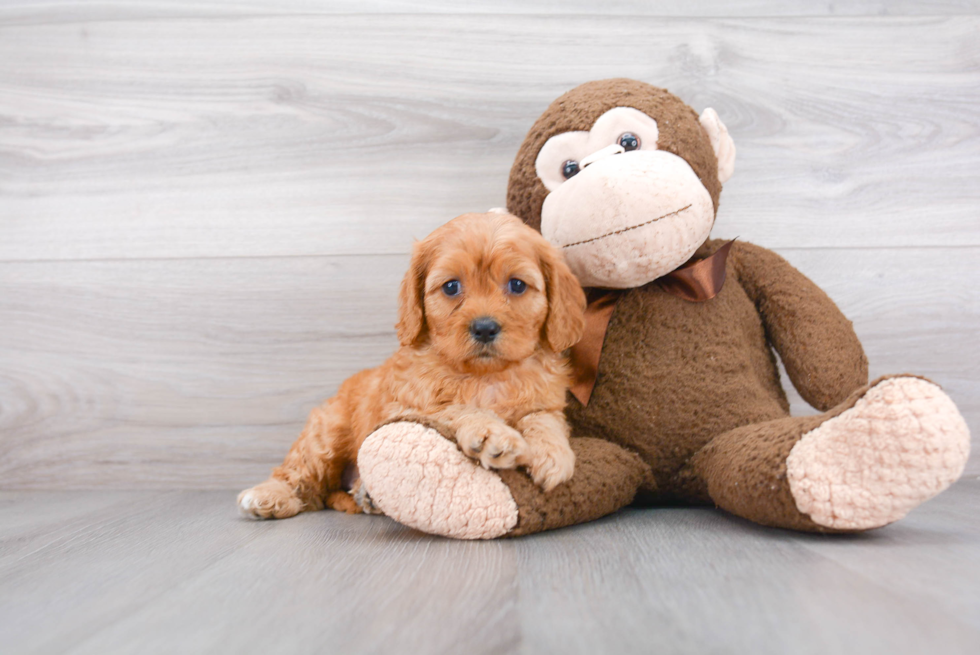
{"points": [[696, 282]]}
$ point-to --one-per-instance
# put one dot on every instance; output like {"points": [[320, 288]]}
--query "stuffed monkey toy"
{"points": [[677, 395]]}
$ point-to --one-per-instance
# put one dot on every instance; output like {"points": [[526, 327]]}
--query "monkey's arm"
{"points": [[816, 342]]}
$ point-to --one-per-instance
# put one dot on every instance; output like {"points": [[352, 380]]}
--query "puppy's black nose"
{"points": [[484, 329]]}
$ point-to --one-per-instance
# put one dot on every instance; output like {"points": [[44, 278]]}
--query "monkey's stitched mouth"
{"points": [[627, 229]]}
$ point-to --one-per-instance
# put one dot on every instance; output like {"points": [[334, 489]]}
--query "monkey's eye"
{"points": [[516, 287], [569, 168], [629, 141], [452, 288]]}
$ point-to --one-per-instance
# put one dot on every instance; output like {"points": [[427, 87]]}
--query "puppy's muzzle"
{"points": [[484, 329]]}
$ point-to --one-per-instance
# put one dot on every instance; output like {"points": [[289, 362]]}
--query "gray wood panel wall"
{"points": [[205, 207]]}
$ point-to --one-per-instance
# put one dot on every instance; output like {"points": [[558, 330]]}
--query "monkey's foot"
{"points": [[422, 480], [902, 443]]}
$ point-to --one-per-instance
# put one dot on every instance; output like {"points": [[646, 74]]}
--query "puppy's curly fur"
{"points": [[501, 389]]}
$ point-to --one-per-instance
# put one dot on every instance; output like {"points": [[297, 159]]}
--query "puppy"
{"points": [[486, 309]]}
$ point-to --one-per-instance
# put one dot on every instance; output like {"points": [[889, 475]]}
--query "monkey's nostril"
{"points": [[484, 329]]}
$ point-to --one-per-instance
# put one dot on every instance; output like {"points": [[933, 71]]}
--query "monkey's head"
{"points": [[624, 178]]}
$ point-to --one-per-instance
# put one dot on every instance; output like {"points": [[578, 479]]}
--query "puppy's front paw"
{"points": [[273, 499], [493, 442], [550, 464]]}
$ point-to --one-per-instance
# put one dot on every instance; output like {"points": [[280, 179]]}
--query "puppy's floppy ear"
{"points": [[566, 301], [411, 296]]}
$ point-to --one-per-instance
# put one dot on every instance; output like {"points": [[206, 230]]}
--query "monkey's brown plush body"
{"points": [[712, 371], [687, 404]]}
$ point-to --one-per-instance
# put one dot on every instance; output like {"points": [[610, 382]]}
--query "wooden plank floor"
{"points": [[180, 572]]}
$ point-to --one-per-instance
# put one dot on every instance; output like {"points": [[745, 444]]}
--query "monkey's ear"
{"points": [[411, 297], [566, 301], [721, 143]]}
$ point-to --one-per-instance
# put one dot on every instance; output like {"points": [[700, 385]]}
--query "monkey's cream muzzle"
{"points": [[626, 219]]}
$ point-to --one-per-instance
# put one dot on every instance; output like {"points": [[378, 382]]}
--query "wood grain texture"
{"points": [[728, 592], [939, 548], [156, 373], [59, 11], [198, 374], [310, 135], [181, 572], [205, 207]]}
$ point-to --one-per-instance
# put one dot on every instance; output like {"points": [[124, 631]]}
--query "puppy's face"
{"points": [[485, 290]]}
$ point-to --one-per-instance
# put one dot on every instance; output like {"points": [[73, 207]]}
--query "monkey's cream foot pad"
{"points": [[422, 480], [902, 443]]}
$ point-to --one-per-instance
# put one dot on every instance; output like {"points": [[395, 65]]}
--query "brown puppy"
{"points": [[486, 309]]}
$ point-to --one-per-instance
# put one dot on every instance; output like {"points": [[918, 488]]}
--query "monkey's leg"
{"points": [[889, 447], [418, 476]]}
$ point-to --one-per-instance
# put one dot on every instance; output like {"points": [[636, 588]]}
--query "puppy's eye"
{"points": [[516, 287], [452, 288], [629, 141], [569, 168]]}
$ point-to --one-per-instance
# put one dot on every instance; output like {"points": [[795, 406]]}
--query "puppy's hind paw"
{"points": [[363, 498], [273, 499]]}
